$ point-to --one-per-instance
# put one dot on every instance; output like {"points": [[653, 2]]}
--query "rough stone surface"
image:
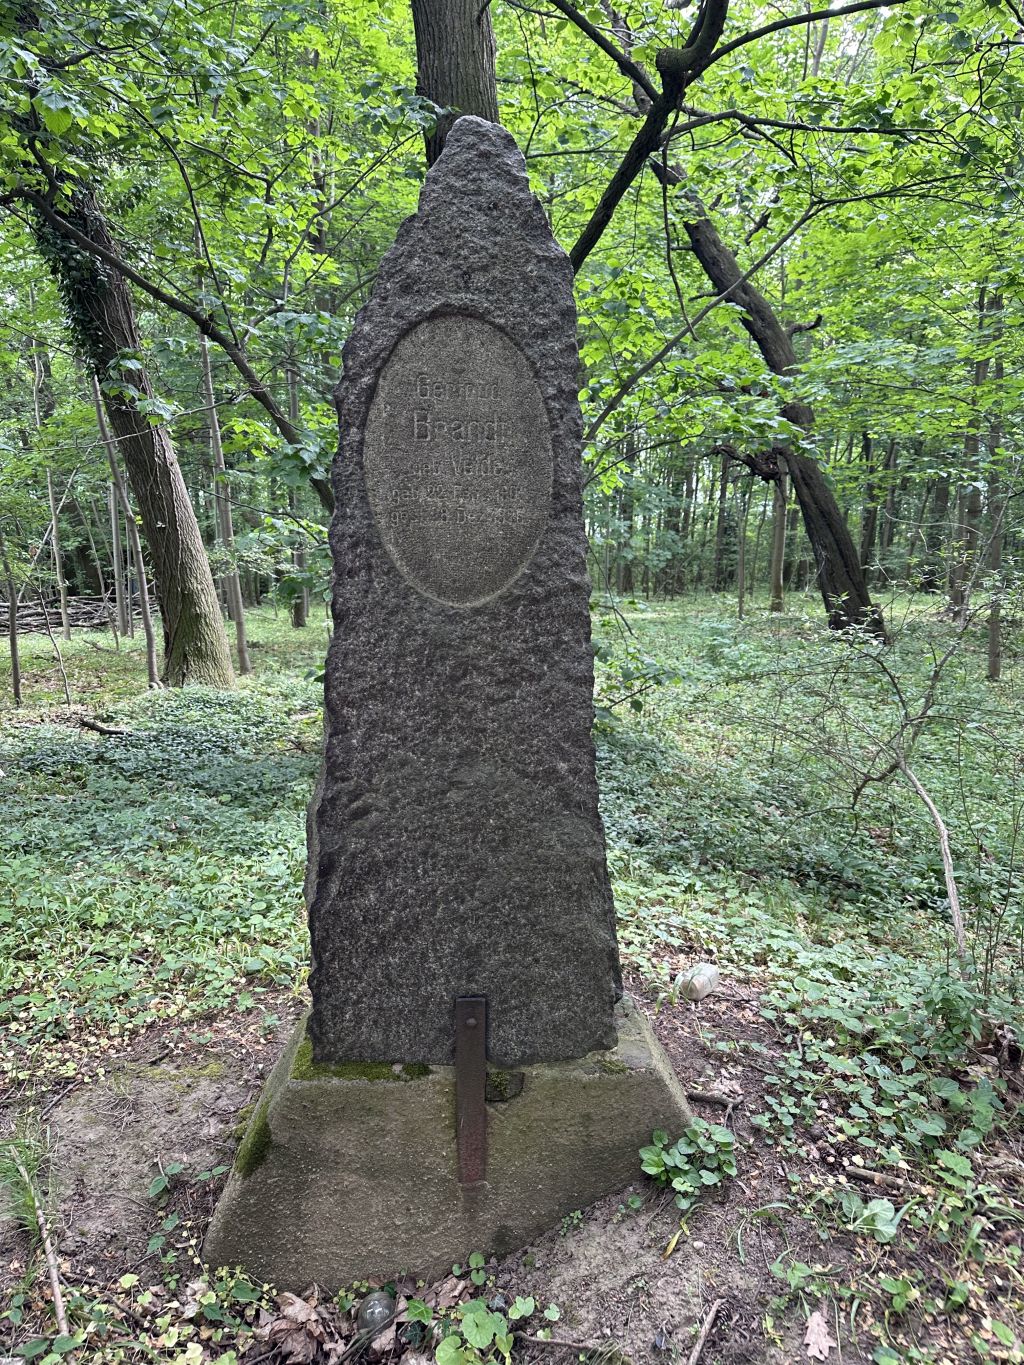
{"points": [[455, 842], [356, 1178]]}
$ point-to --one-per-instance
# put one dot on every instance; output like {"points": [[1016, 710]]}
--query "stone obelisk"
{"points": [[457, 875]]}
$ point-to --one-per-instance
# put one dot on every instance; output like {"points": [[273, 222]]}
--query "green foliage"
{"points": [[482, 1336], [160, 871], [694, 1164]]}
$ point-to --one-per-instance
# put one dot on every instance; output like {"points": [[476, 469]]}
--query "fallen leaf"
{"points": [[817, 1339], [296, 1310], [449, 1292]]}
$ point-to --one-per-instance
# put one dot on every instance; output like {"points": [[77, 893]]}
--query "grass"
{"points": [[156, 877]]}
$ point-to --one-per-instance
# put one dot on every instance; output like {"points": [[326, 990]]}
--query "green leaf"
{"points": [[449, 1350], [31, 1349], [480, 1329]]}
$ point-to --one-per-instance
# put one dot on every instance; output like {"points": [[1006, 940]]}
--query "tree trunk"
{"points": [[840, 577], [743, 498], [963, 567], [232, 583], [935, 537], [455, 56], [100, 306], [12, 621], [152, 671], [776, 586], [122, 607], [869, 521], [58, 560], [718, 565], [300, 602], [997, 508], [889, 514]]}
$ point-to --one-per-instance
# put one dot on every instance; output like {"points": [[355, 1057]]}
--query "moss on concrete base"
{"points": [[305, 1069], [342, 1178], [256, 1144]]}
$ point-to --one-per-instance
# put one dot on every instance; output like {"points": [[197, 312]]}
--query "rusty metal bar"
{"points": [[470, 1086]]}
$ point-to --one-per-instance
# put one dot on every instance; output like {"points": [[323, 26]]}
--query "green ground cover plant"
{"points": [[150, 877]]}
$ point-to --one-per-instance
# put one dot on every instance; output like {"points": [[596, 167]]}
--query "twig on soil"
{"points": [[44, 1237], [88, 724], [556, 1341], [715, 1097], [705, 1331], [894, 1182]]}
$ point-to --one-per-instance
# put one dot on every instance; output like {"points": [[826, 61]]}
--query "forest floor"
{"points": [[152, 959]]}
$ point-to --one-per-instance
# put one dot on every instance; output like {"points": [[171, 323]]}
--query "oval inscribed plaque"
{"points": [[458, 463]]}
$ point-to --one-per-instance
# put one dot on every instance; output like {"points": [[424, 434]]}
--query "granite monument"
{"points": [[468, 1071]]}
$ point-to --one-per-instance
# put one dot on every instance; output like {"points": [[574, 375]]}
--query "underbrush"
{"points": [[152, 873], [742, 831]]}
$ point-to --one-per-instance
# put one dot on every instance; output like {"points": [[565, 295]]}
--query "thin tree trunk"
{"points": [[100, 306], [935, 537], [869, 521], [93, 551], [776, 586], [840, 577], [718, 566], [997, 508], [757, 538], [118, 556], [741, 554], [58, 559], [819, 48], [969, 503], [300, 601], [455, 56], [889, 514], [152, 668], [12, 622], [232, 583]]}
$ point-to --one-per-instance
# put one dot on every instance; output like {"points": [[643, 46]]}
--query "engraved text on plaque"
{"points": [[457, 455]]}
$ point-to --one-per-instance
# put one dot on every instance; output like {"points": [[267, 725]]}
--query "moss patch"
{"points": [[611, 1067], [305, 1069], [242, 1122], [503, 1086], [255, 1144]]}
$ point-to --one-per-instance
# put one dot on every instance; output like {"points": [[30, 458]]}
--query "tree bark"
{"points": [[718, 564], [776, 572], [117, 552], [118, 495], [100, 307], [300, 602], [232, 582], [869, 521], [12, 621], [58, 559], [455, 55], [890, 511], [935, 537], [840, 577], [997, 508]]}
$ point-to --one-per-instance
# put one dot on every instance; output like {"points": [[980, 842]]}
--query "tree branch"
{"points": [[625, 64], [812, 18], [203, 321]]}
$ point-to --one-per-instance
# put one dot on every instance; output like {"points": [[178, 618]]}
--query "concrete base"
{"points": [[349, 1172]]}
